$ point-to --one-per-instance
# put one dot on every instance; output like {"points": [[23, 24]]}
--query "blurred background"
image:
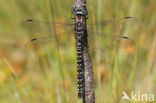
{"points": [[45, 71]]}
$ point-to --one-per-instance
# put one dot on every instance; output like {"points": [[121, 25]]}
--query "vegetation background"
{"points": [[45, 71]]}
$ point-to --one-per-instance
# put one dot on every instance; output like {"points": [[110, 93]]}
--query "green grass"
{"points": [[46, 72]]}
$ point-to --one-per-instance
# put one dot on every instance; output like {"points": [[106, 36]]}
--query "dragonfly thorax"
{"points": [[79, 32], [79, 26]]}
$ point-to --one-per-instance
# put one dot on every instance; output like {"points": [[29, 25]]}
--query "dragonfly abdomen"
{"points": [[80, 65]]}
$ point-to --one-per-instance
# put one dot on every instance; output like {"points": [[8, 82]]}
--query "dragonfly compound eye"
{"points": [[84, 12]]}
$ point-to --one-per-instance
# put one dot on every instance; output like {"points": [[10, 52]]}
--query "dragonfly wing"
{"points": [[36, 26], [41, 33], [37, 41], [106, 22], [112, 33], [46, 22], [111, 37], [41, 29], [115, 37], [107, 35]]}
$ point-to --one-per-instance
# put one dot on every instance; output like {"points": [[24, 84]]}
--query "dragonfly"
{"points": [[78, 38]]}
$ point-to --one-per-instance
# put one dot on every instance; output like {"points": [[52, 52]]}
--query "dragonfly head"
{"points": [[79, 11]]}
